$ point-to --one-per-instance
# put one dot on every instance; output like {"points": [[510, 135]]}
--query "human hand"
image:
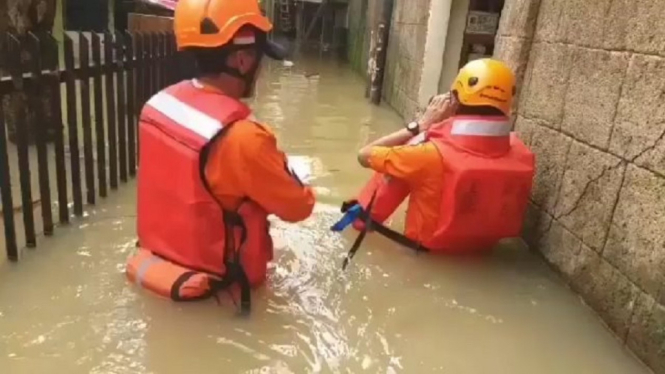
{"points": [[439, 108]]}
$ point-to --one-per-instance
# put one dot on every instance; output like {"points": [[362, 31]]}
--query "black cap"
{"points": [[274, 50]]}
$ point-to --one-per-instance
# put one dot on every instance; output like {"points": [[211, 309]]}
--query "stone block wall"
{"points": [[592, 107], [406, 49]]}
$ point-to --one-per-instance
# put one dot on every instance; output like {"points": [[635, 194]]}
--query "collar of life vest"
{"points": [[482, 126], [487, 136], [202, 86], [205, 87]]}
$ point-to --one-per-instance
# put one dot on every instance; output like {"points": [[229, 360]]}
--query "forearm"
{"points": [[397, 138], [284, 197]]}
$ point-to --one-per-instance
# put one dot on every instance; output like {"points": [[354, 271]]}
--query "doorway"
{"points": [[482, 23], [472, 28]]}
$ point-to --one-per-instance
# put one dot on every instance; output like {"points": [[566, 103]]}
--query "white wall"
{"points": [[111, 10], [435, 45], [454, 39]]}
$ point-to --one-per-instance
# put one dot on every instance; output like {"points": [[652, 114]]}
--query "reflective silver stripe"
{"points": [[244, 40], [196, 83], [186, 116], [480, 128], [140, 274]]}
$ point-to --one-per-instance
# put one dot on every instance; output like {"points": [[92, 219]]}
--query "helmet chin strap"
{"points": [[248, 77]]}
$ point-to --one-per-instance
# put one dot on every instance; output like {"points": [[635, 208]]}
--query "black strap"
{"points": [[249, 76], [215, 286], [371, 224], [235, 273], [395, 236], [238, 275], [361, 236], [184, 277], [234, 269]]}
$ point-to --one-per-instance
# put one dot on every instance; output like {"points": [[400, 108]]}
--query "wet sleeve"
{"points": [[269, 183], [408, 162]]}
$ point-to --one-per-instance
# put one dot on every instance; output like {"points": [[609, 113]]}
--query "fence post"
{"points": [[109, 67], [6, 194], [17, 71], [41, 134], [131, 103], [72, 126], [86, 114], [154, 65], [140, 84], [173, 63], [100, 132], [59, 139], [147, 68], [163, 82], [168, 60], [121, 100]]}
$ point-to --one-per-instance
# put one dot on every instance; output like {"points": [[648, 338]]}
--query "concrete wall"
{"points": [[592, 107], [406, 48], [358, 36]]}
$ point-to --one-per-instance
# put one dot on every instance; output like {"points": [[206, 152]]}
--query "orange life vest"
{"points": [[190, 246], [486, 186]]}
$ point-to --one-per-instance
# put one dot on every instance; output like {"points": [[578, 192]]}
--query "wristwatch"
{"points": [[413, 128]]}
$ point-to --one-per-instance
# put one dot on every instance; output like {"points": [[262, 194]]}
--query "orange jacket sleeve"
{"points": [[269, 183], [410, 163]]}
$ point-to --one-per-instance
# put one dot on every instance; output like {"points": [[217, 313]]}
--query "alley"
{"points": [[68, 308]]}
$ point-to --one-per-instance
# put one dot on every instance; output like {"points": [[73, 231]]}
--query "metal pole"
{"points": [[382, 32]]}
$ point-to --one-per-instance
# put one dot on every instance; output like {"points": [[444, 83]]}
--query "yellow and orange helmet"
{"points": [[214, 23], [485, 82]]}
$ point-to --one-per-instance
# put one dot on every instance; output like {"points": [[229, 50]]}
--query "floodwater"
{"points": [[67, 308]]}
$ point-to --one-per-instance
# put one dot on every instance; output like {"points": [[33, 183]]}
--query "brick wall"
{"points": [[592, 107]]}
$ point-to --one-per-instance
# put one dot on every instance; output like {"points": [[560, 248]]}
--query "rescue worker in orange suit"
{"points": [[467, 176], [210, 173]]}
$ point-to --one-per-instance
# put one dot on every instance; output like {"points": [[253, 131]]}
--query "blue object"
{"points": [[348, 218]]}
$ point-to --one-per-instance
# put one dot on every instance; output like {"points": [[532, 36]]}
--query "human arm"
{"points": [[410, 163], [439, 108], [269, 182], [397, 138]]}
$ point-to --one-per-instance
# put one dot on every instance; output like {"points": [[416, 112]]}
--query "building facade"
{"points": [[428, 42]]}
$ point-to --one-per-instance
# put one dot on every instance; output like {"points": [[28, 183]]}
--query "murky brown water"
{"points": [[68, 309]]}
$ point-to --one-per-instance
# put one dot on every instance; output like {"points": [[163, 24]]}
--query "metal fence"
{"points": [[89, 144]]}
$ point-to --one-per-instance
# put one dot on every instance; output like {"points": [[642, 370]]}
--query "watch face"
{"points": [[412, 126]]}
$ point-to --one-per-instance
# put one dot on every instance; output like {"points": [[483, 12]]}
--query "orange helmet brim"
{"points": [[229, 29]]}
